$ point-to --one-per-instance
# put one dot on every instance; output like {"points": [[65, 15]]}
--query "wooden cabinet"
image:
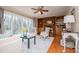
{"points": [[42, 24], [49, 22]]}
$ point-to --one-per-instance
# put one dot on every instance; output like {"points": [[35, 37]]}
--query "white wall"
{"points": [[76, 25], [35, 21]]}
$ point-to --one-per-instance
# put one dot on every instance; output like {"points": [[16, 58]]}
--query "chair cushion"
{"points": [[70, 45], [70, 39]]}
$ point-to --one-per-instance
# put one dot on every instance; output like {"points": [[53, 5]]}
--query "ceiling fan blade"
{"points": [[41, 12], [45, 10], [34, 9], [40, 9]]}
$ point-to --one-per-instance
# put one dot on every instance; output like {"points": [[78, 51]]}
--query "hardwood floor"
{"points": [[57, 48]]}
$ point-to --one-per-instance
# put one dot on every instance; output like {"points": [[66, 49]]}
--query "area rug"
{"points": [[17, 46]]}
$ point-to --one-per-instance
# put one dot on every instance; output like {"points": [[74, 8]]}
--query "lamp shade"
{"points": [[69, 19]]}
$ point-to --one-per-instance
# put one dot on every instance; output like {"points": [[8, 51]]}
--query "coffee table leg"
{"points": [[34, 40], [22, 39], [28, 43]]}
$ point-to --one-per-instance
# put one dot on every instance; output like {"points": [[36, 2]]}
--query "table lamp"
{"points": [[69, 19]]}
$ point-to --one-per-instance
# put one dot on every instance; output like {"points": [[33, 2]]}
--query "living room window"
{"points": [[13, 23]]}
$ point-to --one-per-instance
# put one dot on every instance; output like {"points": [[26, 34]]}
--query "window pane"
{"points": [[13, 23]]}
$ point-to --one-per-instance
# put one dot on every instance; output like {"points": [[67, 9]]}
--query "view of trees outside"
{"points": [[13, 23]]}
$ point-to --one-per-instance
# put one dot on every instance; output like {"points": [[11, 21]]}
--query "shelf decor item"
{"points": [[49, 22]]}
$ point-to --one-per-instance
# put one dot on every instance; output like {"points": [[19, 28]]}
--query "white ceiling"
{"points": [[27, 11]]}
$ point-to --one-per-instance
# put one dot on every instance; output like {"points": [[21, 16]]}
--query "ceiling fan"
{"points": [[40, 9]]}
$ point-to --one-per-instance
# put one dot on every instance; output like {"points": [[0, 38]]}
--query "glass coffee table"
{"points": [[29, 37]]}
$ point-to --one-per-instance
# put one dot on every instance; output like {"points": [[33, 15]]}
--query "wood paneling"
{"points": [[42, 23]]}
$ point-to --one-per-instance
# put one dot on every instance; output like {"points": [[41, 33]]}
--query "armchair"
{"points": [[74, 39], [45, 33]]}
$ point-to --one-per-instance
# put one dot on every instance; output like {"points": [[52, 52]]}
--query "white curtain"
{"points": [[13, 23]]}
